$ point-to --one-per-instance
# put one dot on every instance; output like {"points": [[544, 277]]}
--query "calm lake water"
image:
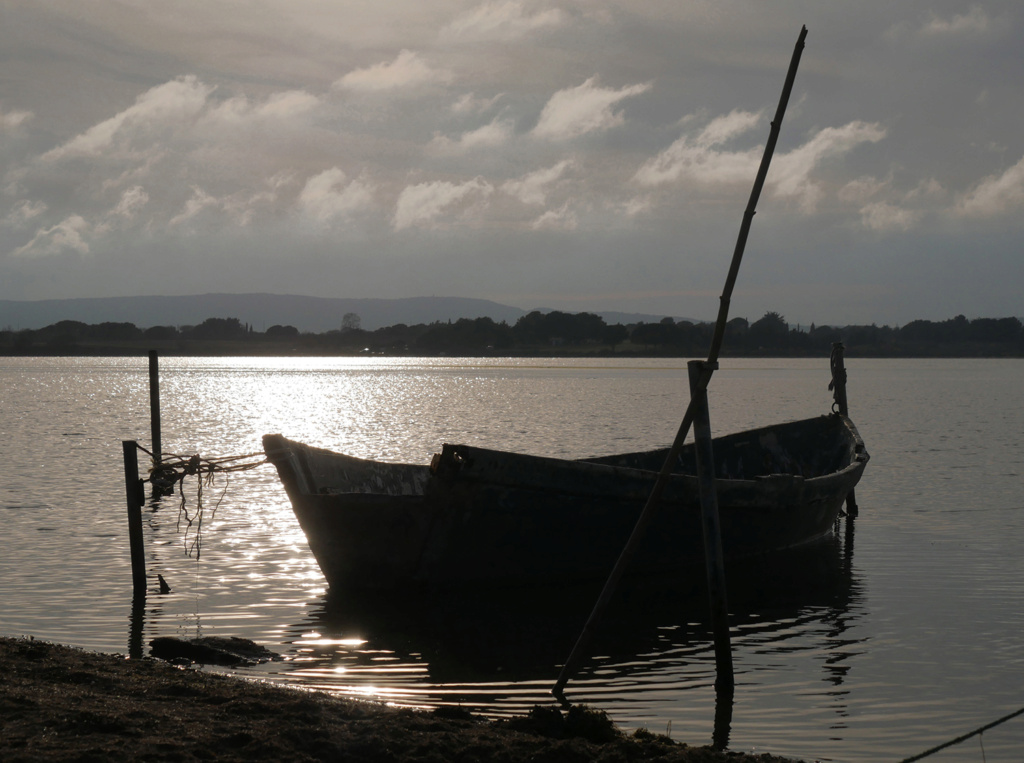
{"points": [[905, 631]]}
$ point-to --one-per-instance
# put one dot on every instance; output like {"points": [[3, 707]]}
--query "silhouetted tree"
{"points": [[219, 328], [531, 328], [995, 330], [282, 332], [114, 331], [160, 332], [654, 334], [614, 335], [572, 328], [466, 334], [737, 332], [769, 332]]}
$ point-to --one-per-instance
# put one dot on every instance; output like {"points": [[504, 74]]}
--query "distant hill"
{"points": [[312, 314], [309, 314]]}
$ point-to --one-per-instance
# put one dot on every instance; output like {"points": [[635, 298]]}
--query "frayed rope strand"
{"points": [[172, 469]]}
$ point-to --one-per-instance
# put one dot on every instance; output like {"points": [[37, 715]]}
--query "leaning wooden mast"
{"points": [[701, 385]]}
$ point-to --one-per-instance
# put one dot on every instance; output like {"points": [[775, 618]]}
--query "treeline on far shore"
{"points": [[534, 334]]}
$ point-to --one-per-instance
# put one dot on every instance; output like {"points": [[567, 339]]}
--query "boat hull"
{"points": [[483, 517]]}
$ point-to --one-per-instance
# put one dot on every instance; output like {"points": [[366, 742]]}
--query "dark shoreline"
{"points": [[553, 334], [58, 703], [231, 350]]}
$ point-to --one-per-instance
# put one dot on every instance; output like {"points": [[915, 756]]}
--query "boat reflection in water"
{"points": [[498, 652]]}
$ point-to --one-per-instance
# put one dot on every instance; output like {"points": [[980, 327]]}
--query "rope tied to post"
{"points": [[838, 370], [172, 469]]}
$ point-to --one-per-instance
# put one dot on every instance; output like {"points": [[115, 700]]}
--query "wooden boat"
{"points": [[485, 517]]}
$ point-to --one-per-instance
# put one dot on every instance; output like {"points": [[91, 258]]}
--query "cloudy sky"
{"points": [[571, 154]]}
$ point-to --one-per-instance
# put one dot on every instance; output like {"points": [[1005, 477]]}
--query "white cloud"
{"points": [[421, 204], [725, 128], [132, 200], [158, 109], [199, 202], [12, 119], [407, 70], [975, 20], [497, 133], [239, 208], [282, 106], [494, 134], [287, 104], [863, 188], [699, 157], [136, 170], [582, 109], [532, 188], [790, 173], [996, 194], [24, 212], [927, 189], [883, 209], [326, 196], [636, 206], [504, 20], [174, 139], [882, 216], [67, 235], [562, 218], [470, 104]]}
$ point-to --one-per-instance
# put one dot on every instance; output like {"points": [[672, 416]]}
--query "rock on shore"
{"points": [[64, 704]]}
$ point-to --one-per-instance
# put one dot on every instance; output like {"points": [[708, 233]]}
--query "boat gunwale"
{"points": [[299, 455]]}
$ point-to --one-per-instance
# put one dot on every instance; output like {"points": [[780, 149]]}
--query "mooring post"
{"points": [[135, 499], [154, 407], [838, 387], [713, 556]]}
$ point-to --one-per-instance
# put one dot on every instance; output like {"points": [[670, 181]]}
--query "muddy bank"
{"points": [[64, 704]]}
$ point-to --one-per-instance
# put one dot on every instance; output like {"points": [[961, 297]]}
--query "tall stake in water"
{"points": [[154, 407]]}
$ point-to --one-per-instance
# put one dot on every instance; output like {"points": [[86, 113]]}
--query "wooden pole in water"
{"points": [[838, 387], [714, 559], [154, 407], [716, 345], [134, 494]]}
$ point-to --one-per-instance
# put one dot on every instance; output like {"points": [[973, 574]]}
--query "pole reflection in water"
{"points": [[724, 697], [497, 651], [136, 622]]}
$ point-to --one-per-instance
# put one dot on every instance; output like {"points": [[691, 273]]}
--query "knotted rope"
{"points": [[172, 469]]}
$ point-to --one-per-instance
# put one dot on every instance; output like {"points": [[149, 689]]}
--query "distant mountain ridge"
{"points": [[261, 311]]}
